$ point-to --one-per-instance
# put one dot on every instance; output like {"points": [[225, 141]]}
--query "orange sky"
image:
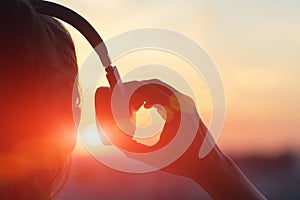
{"points": [[254, 44]]}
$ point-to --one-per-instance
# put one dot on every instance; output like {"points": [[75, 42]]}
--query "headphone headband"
{"points": [[78, 22]]}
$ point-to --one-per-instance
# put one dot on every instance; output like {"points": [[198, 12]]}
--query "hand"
{"points": [[175, 104], [209, 172]]}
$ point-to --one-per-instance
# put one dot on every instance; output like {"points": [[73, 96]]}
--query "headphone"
{"points": [[86, 29]]}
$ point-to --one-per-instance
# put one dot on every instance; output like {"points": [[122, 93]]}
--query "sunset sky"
{"points": [[255, 46]]}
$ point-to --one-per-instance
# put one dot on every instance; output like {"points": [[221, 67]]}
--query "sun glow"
{"points": [[259, 66], [90, 135], [149, 125]]}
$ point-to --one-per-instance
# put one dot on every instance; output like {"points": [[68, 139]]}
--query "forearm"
{"points": [[225, 180]]}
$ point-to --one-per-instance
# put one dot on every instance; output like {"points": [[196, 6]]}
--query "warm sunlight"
{"points": [[149, 125], [256, 55], [143, 118], [90, 135]]}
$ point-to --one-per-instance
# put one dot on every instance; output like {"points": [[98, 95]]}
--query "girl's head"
{"points": [[37, 77]]}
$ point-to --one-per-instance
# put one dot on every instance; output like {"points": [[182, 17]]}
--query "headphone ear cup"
{"points": [[102, 97]]}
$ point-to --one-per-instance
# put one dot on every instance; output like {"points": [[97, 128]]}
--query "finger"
{"points": [[161, 97], [182, 97], [152, 93], [110, 128]]}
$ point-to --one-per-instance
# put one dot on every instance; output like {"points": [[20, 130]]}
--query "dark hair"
{"points": [[37, 75]]}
